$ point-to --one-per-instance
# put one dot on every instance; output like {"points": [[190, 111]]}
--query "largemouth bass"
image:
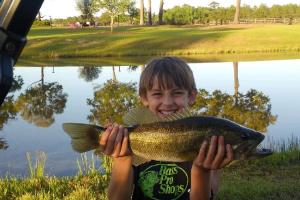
{"points": [[176, 138]]}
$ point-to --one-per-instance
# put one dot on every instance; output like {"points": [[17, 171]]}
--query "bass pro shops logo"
{"points": [[163, 181]]}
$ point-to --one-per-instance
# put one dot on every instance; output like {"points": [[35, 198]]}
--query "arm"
{"points": [[121, 183], [205, 173], [200, 183], [115, 143]]}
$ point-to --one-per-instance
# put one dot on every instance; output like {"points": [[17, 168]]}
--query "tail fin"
{"points": [[84, 137]]}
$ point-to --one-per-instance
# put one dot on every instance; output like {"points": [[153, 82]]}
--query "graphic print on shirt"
{"points": [[163, 181]]}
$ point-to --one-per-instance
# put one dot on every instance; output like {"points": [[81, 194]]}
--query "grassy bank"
{"points": [[274, 177], [163, 40]]}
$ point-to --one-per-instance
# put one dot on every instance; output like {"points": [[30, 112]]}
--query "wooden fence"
{"points": [[270, 21]]}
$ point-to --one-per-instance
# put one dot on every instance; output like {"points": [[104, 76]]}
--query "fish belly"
{"points": [[175, 147]]}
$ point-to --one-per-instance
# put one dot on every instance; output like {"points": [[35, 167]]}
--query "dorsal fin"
{"points": [[179, 115], [142, 115]]}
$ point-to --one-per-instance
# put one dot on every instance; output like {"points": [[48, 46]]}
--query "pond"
{"points": [[263, 95]]}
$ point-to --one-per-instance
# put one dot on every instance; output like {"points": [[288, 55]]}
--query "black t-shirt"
{"points": [[162, 180]]}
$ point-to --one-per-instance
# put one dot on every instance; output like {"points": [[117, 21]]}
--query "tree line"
{"points": [[126, 12]]}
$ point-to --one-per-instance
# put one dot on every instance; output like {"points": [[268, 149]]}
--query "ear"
{"points": [[144, 100], [192, 97]]}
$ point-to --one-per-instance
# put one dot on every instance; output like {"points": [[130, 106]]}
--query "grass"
{"points": [[37, 170], [274, 177], [89, 183], [138, 41]]}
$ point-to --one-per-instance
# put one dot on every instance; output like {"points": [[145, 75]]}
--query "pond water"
{"points": [[265, 93]]}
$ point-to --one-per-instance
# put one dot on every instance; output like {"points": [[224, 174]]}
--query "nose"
{"points": [[168, 100]]}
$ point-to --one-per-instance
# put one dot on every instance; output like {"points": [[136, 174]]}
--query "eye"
{"points": [[244, 137], [178, 93], [156, 94]]}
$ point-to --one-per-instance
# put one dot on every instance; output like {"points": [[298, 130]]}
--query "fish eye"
{"points": [[244, 137]]}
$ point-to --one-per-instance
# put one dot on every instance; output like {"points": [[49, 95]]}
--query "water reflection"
{"points": [[224, 91], [8, 110], [89, 73], [41, 101], [252, 109], [111, 100], [3, 144], [132, 68]]}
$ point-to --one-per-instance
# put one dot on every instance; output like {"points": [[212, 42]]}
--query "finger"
{"points": [[211, 152], [201, 155], [220, 153], [104, 137], [118, 142], [229, 156], [110, 145], [125, 150], [108, 125]]}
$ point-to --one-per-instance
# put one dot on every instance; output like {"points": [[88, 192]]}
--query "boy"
{"points": [[166, 86]]}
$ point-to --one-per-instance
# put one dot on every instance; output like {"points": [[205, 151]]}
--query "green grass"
{"points": [[163, 40], [274, 178], [89, 183]]}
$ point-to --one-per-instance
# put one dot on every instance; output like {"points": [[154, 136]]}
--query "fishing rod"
{"points": [[16, 18]]}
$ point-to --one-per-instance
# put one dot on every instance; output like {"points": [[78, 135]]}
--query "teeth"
{"points": [[167, 112]]}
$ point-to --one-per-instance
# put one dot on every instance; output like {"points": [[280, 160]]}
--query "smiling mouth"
{"points": [[167, 112]]}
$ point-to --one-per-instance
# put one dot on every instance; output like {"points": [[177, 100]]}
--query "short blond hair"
{"points": [[168, 71]]}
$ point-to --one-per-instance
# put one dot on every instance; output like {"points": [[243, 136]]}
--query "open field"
{"points": [[212, 42]]}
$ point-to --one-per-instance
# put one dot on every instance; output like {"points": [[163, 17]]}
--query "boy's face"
{"points": [[163, 102]]}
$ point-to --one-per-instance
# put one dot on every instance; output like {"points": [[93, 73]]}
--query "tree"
{"points": [[262, 11], [8, 109], [114, 8], [133, 12], [111, 101], [214, 5], [87, 8], [38, 103], [180, 15], [39, 16], [149, 13], [237, 12], [141, 12], [236, 80], [104, 19], [89, 73], [253, 109], [3, 144], [161, 11]]}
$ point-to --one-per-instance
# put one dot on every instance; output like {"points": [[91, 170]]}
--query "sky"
{"points": [[67, 8]]}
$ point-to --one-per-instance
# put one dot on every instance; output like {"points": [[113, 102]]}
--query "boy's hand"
{"points": [[216, 156], [115, 141]]}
